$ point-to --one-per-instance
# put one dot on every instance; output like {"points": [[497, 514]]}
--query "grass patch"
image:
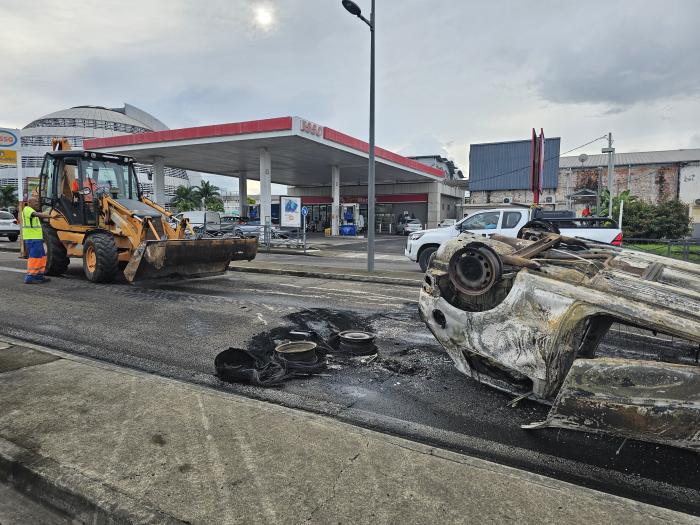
{"points": [[677, 252]]}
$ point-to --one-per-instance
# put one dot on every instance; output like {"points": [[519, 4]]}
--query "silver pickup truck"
{"points": [[511, 222]]}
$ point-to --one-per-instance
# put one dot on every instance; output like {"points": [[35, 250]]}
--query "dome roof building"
{"points": [[86, 122]]}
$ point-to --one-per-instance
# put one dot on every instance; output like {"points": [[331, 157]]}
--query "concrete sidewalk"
{"points": [[102, 442]]}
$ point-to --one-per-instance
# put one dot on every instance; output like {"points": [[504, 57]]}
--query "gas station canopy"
{"points": [[301, 153]]}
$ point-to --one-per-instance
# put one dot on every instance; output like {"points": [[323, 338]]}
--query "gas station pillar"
{"points": [[265, 187], [159, 180], [335, 186], [243, 195]]}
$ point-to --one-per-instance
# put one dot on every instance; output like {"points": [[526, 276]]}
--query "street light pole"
{"points": [[370, 176], [354, 9]]}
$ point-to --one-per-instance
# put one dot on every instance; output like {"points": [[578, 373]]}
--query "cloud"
{"points": [[629, 54], [448, 73]]}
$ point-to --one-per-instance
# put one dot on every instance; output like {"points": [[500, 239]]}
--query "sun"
{"points": [[264, 16]]}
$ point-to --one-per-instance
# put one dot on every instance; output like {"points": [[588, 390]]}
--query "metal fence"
{"points": [[684, 249]]}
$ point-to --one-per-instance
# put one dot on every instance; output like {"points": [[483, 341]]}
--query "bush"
{"points": [[667, 220], [671, 220]]}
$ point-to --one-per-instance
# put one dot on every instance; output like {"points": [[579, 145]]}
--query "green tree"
{"points": [[206, 192], [7, 197], [185, 198], [215, 204]]}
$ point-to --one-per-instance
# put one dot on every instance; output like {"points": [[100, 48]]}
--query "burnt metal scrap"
{"points": [[527, 317]]}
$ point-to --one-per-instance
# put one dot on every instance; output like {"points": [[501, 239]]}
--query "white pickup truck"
{"points": [[509, 221]]}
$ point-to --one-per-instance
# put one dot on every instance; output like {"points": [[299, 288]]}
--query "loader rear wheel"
{"points": [[57, 259], [100, 258]]}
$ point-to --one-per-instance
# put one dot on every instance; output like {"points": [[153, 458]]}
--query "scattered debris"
{"points": [[617, 452], [527, 317], [514, 402], [238, 365]]}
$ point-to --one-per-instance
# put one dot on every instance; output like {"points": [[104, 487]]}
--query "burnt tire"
{"points": [[100, 258], [425, 258], [57, 259], [537, 225]]}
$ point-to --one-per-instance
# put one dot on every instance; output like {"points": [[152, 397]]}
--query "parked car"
{"points": [[509, 222], [255, 229], [208, 222], [445, 223], [410, 226], [8, 226]]}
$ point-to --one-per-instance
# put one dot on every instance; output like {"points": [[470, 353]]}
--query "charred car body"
{"points": [[527, 317]]}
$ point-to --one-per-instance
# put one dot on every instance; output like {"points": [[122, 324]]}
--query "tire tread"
{"points": [[57, 259], [107, 255]]}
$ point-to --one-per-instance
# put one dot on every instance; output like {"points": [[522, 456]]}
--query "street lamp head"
{"points": [[352, 7]]}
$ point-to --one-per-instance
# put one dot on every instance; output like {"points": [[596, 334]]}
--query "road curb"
{"points": [[60, 487], [328, 275]]}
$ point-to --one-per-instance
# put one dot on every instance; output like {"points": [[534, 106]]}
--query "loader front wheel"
{"points": [[100, 258], [56, 255]]}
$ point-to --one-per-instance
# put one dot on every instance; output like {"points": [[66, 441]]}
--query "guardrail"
{"points": [[684, 249]]}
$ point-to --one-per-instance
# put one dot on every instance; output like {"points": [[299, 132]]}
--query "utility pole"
{"points": [[611, 170]]}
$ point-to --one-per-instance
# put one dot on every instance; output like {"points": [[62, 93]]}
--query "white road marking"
{"points": [[348, 291], [8, 269]]}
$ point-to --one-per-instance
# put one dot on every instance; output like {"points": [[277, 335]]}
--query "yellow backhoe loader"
{"points": [[99, 214]]}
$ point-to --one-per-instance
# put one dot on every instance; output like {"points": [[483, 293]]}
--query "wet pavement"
{"points": [[412, 389]]}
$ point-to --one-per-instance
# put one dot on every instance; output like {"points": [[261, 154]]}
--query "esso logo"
{"points": [[7, 139], [311, 128]]}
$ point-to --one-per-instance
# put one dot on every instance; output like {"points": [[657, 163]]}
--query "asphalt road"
{"points": [[176, 329]]}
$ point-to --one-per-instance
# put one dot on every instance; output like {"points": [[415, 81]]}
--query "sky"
{"points": [[449, 73]]}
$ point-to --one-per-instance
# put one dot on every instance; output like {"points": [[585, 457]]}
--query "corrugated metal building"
{"points": [[501, 170], [653, 176]]}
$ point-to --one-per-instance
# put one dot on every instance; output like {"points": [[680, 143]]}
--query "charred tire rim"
{"points": [[356, 342], [532, 230], [475, 269], [297, 351]]}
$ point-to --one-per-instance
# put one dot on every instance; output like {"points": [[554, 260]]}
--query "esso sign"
{"points": [[311, 128], [8, 139]]}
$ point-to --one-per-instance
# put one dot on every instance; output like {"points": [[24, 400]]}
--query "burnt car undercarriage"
{"points": [[528, 316]]}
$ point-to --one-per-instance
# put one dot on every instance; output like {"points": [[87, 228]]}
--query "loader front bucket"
{"points": [[186, 257]]}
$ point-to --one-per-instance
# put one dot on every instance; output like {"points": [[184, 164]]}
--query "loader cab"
{"points": [[73, 182]]}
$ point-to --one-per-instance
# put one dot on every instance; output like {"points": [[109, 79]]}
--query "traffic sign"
{"points": [[304, 211]]}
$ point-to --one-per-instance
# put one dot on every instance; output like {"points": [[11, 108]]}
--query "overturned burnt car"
{"points": [[528, 316]]}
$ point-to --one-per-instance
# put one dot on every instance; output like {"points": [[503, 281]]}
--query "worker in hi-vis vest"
{"points": [[33, 238]]}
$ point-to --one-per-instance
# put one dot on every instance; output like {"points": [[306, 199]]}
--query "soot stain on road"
{"points": [[401, 356]]}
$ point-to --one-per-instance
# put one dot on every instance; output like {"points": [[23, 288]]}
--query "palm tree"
{"points": [[7, 197], [185, 198], [206, 193]]}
